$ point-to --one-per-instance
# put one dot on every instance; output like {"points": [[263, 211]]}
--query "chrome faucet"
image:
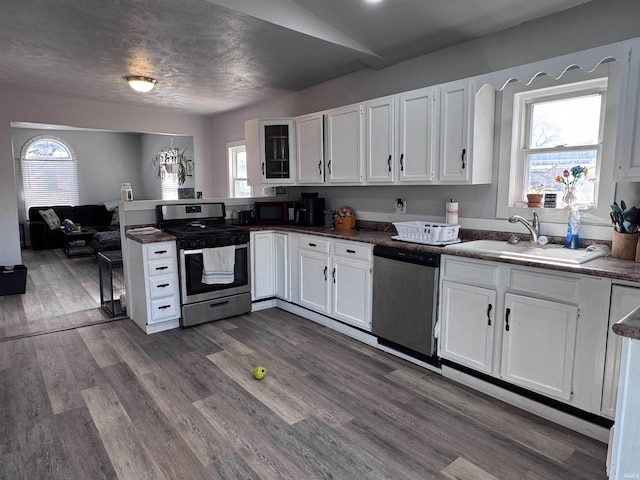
{"points": [[533, 226]]}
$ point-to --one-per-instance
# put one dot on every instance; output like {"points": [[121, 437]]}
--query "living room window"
{"points": [[238, 182], [49, 172]]}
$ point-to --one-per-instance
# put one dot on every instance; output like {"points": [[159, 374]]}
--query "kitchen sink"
{"points": [[533, 252]]}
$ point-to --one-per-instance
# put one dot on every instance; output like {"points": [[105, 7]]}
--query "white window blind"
{"points": [[49, 173]]}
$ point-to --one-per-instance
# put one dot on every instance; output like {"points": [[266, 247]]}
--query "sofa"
{"points": [[44, 237]]}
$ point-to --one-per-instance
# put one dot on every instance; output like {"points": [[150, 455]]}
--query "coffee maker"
{"points": [[311, 211]]}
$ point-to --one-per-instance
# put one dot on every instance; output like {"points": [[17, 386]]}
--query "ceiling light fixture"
{"points": [[141, 84]]}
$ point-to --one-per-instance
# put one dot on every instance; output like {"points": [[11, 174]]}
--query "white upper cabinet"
{"points": [[271, 151], [628, 141], [309, 140], [417, 138], [380, 140], [344, 147], [466, 133]]}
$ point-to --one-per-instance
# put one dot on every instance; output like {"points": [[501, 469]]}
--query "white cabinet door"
{"points": [[628, 136], [623, 301], [281, 267], [352, 291], [454, 125], [466, 133], [417, 137], [380, 135], [262, 265], [314, 281], [538, 345], [271, 151], [310, 143], [468, 318], [344, 145]]}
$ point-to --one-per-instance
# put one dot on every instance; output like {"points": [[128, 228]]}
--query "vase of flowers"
{"points": [[570, 179]]}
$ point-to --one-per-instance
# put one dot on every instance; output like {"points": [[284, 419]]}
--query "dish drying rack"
{"points": [[428, 233]]}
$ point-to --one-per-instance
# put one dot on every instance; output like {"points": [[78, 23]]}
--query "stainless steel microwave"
{"points": [[277, 212]]}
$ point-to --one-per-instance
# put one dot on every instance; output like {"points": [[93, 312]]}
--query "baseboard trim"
{"points": [[559, 417]]}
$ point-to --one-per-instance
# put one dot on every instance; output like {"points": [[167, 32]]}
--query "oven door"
{"points": [[193, 290]]}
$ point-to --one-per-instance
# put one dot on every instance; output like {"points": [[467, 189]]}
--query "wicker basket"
{"points": [[346, 223]]}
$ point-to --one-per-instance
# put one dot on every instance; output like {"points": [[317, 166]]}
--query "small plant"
{"points": [[537, 189], [173, 161]]}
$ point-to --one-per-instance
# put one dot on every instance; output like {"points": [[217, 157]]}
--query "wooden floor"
{"points": [[61, 292], [107, 401]]}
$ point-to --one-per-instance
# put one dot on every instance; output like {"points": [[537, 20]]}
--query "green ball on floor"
{"points": [[259, 372]]}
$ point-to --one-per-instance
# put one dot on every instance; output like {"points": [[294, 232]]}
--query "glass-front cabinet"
{"points": [[271, 151]]}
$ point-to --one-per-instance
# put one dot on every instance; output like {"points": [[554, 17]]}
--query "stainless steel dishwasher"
{"points": [[405, 297]]}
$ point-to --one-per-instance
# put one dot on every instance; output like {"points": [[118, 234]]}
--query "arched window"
{"points": [[49, 172]]}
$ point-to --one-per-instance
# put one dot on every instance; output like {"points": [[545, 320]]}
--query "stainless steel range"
{"points": [[213, 261]]}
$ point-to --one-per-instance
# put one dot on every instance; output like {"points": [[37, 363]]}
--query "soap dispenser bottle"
{"points": [[573, 228]]}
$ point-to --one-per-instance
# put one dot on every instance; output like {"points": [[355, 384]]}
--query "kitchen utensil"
{"points": [[615, 207], [623, 206], [633, 215]]}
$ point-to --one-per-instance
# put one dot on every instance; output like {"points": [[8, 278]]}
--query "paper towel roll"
{"points": [[451, 216]]}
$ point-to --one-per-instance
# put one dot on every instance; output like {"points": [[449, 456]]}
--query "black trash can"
{"points": [[13, 280]]}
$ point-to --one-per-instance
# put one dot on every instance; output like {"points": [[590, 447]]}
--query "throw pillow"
{"points": [[115, 219], [51, 217]]}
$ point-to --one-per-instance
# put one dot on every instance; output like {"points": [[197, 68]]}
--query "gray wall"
{"points": [[589, 25], [105, 160]]}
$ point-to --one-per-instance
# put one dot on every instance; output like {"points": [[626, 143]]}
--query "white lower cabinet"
{"points": [[155, 292], [624, 300], [335, 279], [522, 325], [538, 346], [269, 265], [468, 332]]}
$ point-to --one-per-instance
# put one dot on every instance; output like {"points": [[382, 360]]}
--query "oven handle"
{"points": [[199, 250]]}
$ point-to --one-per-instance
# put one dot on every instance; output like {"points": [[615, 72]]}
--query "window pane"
{"points": [[242, 189], [572, 121], [241, 165], [49, 182], [545, 167]]}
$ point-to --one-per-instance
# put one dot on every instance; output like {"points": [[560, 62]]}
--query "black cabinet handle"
{"points": [[161, 268], [489, 314], [350, 251], [163, 307], [159, 252], [464, 157], [506, 320], [329, 167], [262, 168], [402, 162], [320, 167], [163, 285], [312, 245], [333, 274], [389, 162], [325, 273]]}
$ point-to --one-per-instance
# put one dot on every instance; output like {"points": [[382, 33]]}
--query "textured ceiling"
{"points": [[211, 56]]}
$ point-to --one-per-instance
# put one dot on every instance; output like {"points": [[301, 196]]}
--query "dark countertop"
{"points": [[607, 267], [629, 326]]}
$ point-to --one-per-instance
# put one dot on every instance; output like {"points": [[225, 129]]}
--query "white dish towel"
{"points": [[218, 264]]}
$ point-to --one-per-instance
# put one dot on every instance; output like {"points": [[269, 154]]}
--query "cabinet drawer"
{"points": [[164, 266], [314, 244], [160, 250], [355, 251], [561, 287], [164, 308], [163, 286], [470, 271]]}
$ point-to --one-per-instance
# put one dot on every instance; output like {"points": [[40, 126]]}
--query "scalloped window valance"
{"points": [[587, 60]]}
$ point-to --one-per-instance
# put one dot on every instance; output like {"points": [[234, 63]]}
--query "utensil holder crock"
{"points": [[623, 245]]}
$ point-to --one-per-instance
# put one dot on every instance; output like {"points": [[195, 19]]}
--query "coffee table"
{"points": [[78, 242]]}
